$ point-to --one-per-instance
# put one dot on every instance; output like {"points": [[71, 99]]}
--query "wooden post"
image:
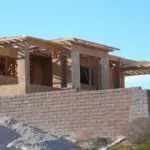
{"points": [[121, 76], [90, 72], [105, 71], [63, 62], [122, 80], [75, 56], [117, 75]]}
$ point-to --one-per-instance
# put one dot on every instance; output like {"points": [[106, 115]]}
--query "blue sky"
{"points": [[123, 24]]}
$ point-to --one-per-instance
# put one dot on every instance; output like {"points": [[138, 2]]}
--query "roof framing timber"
{"points": [[67, 43], [138, 68], [34, 45]]}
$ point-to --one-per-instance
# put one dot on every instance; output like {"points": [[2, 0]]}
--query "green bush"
{"points": [[121, 147], [144, 146]]}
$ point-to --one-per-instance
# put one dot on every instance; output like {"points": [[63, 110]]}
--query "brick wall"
{"points": [[105, 111]]}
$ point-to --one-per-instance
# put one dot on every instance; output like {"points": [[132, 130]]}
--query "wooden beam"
{"points": [[134, 68], [122, 60], [136, 72], [43, 44]]}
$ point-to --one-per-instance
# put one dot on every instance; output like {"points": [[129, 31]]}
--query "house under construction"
{"points": [[29, 64]]}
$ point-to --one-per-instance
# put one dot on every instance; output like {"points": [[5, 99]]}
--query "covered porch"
{"points": [[28, 65], [89, 62]]}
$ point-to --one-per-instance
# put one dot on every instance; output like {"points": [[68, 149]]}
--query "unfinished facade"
{"points": [[30, 64]]}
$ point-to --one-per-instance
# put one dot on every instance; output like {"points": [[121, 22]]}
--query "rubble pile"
{"points": [[15, 135]]}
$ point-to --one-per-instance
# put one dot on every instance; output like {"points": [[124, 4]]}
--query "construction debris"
{"points": [[15, 135]]}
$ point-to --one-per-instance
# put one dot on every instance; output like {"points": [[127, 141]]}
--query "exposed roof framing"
{"points": [[67, 43], [137, 68], [122, 61], [33, 45]]}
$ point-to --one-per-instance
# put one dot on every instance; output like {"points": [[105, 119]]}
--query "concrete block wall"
{"points": [[106, 112], [140, 104]]}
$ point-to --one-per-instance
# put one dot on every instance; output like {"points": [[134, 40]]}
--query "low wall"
{"points": [[5, 80], [9, 86], [16, 89], [39, 88], [104, 111], [12, 89]]}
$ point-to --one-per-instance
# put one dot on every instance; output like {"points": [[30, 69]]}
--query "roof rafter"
{"points": [[34, 45]]}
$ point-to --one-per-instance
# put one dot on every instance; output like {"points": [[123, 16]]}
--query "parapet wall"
{"points": [[104, 111]]}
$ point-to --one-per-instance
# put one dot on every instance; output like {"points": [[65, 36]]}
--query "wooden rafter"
{"points": [[137, 68], [67, 41], [35, 45]]}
